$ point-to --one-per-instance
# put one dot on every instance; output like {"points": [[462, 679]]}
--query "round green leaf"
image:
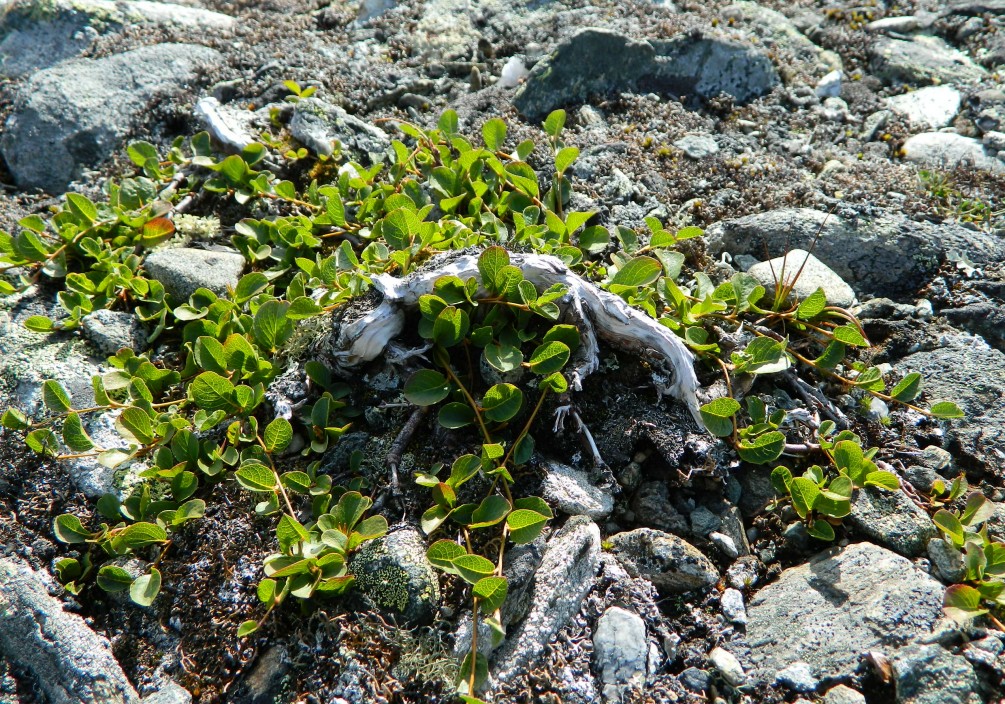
{"points": [[491, 592], [442, 554], [426, 387], [490, 511], [278, 435], [455, 415], [504, 358], [451, 326], [144, 589], [525, 525], [640, 271], [256, 477], [763, 449], [74, 435], [502, 402], [113, 578], [68, 529], [472, 568], [211, 391], [549, 358]]}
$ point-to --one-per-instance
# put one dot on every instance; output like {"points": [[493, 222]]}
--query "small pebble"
{"points": [[728, 666], [733, 608]]}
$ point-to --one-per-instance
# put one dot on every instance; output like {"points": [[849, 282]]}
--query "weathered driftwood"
{"points": [[598, 315]]}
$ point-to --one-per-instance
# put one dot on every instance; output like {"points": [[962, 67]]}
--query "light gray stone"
{"points": [[319, 126], [798, 677], [572, 493], [947, 150], [947, 561], [110, 331], [183, 270], [931, 107], [169, 693], [733, 608], [843, 694], [567, 572], [368, 9], [670, 563], [970, 373], [843, 603], [697, 146], [930, 674], [77, 113], [724, 543], [728, 666], [620, 651], [869, 254], [892, 520], [603, 61], [830, 85], [393, 571], [920, 61], [71, 662], [812, 274]]}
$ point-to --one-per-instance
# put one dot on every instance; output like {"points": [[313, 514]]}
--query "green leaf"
{"points": [[491, 592], [908, 388], [426, 387], [267, 591], [883, 480], [554, 123], [74, 435], [640, 271], [472, 568], [569, 334], [448, 123], [949, 524], [113, 578], [278, 435], [455, 415], [502, 402], [946, 409], [525, 525], [271, 326], [68, 529], [442, 554], [135, 423], [850, 335], [962, 603], [565, 158], [145, 588], [451, 326], [832, 355], [556, 383], [491, 262], [717, 414], [55, 397], [494, 134], [804, 493], [813, 305], [433, 518], [249, 286], [139, 535], [821, 530], [289, 532], [781, 477], [490, 511], [38, 323], [211, 391], [977, 510], [504, 358], [762, 449], [43, 441], [210, 354], [463, 469], [82, 207], [247, 628], [549, 358], [256, 477], [13, 419], [303, 308]]}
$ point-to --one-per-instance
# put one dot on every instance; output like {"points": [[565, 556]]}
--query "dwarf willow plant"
{"points": [[487, 323], [192, 419]]}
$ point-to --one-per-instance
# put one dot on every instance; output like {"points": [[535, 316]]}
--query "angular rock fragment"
{"points": [[672, 564], [394, 572], [183, 270]]}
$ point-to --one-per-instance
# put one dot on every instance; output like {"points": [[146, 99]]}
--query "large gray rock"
{"points": [[75, 115], [183, 270], [930, 674], [672, 564], [932, 107], [892, 520], [620, 652], [947, 150], [71, 662], [971, 374], [885, 256], [813, 274], [841, 604], [319, 126], [567, 572], [601, 61], [921, 61], [393, 571]]}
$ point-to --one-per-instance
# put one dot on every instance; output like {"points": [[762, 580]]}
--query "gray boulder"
{"points": [[183, 270], [393, 572], [892, 520], [109, 331], [71, 662], [620, 652], [319, 126], [840, 605], [947, 150], [932, 107], [672, 564], [75, 115], [885, 256], [930, 674], [572, 493], [967, 371], [813, 274], [922, 60], [567, 572], [601, 61]]}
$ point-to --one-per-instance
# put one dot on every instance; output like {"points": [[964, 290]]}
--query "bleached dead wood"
{"points": [[598, 315]]}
